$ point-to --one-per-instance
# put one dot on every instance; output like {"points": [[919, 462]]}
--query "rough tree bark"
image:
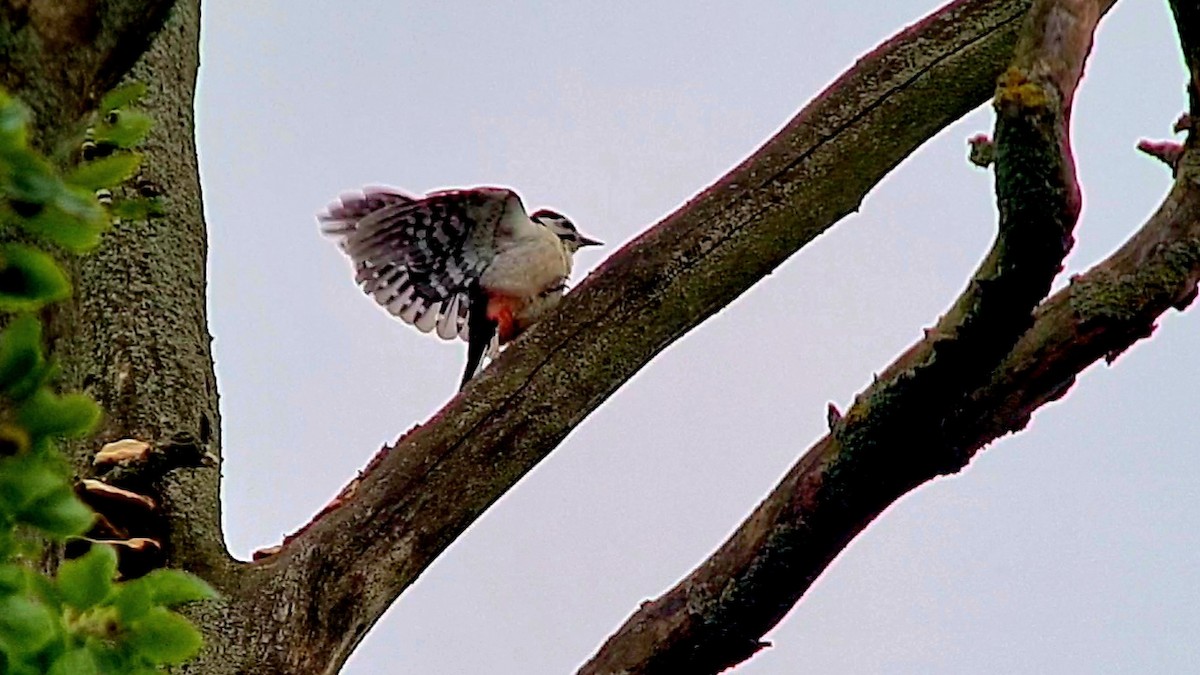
{"points": [[136, 336]]}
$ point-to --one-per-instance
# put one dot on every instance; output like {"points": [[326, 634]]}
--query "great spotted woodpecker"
{"points": [[469, 263]]}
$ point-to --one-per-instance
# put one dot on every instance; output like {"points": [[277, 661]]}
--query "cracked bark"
{"points": [[136, 335]]}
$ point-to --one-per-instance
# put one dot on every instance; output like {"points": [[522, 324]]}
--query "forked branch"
{"points": [[894, 437], [352, 563]]}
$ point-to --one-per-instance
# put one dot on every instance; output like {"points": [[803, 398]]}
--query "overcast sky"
{"points": [[1072, 548]]}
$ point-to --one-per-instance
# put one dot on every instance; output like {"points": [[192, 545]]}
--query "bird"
{"points": [[468, 262]]}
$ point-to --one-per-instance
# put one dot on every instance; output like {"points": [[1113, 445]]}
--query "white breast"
{"points": [[527, 266]]}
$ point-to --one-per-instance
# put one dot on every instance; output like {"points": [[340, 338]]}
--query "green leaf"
{"points": [[137, 209], [110, 657], [42, 587], [60, 514], [23, 667], [122, 96], [21, 362], [14, 123], [165, 637], [28, 177], [75, 662], [87, 580], [12, 579], [128, 129], [48, 414], [81, 203], [25, 626], [28, 478], [105, 172], [29, 279], [174, 587], [132, 600], [14, 440], [76, 228]]}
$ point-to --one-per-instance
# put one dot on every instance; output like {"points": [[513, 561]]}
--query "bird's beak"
{"points": [[584, 241]]}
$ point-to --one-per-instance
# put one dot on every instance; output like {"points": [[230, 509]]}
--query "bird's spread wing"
{"points": [[342, 216], [418, 256]]}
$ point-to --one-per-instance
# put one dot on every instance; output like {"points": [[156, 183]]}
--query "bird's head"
{"points": [[564, 228]]}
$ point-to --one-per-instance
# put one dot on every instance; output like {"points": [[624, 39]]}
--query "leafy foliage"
{"points": [[29, 279], [83, 620]]}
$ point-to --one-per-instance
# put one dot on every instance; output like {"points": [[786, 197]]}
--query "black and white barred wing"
{"points": [[341, 217], [417, 257]]}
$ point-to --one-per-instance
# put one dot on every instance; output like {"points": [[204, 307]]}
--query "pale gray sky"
{"points": [[1072, 548]]}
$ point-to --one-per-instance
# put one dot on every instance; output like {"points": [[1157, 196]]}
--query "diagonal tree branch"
{"points": [[333, 580]]}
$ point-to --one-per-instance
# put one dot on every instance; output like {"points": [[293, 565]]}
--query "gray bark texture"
{"points": [[135, 335]]}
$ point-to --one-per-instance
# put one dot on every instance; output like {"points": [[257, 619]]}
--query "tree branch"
{"points": [[701, 624], [333, 581], [1102, 313], [1187, 22], [305, 609]]}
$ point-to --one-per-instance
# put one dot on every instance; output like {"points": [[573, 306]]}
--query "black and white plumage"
{"points": [[469, 263], [413, 255]]}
